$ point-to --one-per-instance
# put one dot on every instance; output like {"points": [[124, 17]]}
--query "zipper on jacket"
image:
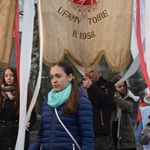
{"points": [[73, 146], [101, 118]]}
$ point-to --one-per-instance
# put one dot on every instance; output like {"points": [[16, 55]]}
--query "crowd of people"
{"points": [[96, 114]]}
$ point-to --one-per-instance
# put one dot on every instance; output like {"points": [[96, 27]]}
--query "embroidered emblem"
{"points": [[84, 6]]}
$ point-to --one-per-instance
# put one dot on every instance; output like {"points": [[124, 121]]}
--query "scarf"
{"points": [[56, 99], [8, 92], [146, 100]]}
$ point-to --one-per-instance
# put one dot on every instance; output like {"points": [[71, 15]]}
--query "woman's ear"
{"points": [[70, 77]]}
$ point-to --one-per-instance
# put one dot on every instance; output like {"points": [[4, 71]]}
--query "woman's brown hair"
{"points": [[73, 102], [116, 78]]}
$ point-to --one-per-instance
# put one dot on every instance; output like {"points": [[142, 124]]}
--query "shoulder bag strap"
{"points": [[67, 129]]}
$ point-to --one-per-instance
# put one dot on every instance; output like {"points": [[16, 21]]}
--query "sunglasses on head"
{"points": [[149, 117]]}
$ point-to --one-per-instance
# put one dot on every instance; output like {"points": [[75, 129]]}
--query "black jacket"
{"points": [[9, 123], [101, 96]]}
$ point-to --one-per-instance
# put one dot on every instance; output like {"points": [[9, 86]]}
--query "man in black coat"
{"points": [[100, 92]]}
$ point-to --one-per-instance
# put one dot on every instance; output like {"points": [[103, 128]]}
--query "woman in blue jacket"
{"points": [[66, 120]]}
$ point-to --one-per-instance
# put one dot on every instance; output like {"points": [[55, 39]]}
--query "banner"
{"points": [[140, 46], [7, 17], [86, 31], [147, 38], [25, 66]]}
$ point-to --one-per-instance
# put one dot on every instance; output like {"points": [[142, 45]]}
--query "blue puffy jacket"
{"points": [[52, 135]]}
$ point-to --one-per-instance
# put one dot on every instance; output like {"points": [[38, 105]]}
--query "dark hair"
{"points": [[116, 78], [73, 101], [17, 90]]}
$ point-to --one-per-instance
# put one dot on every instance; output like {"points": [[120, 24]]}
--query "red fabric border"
{"points": [[17, 42], [139, 43]]}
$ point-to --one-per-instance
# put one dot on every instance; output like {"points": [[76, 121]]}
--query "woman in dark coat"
{"points": [[9, 110], [122, 129]]}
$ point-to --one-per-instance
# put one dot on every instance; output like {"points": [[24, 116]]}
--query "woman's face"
{"points": [[121, 88], [9, 77], [59, 79], [147, 96]]}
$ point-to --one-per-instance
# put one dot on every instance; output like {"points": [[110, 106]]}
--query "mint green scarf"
{"points": [[56, 99], [146, 101]]}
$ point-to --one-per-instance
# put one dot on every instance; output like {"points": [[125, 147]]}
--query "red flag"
{"points": [[139, 43]]}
